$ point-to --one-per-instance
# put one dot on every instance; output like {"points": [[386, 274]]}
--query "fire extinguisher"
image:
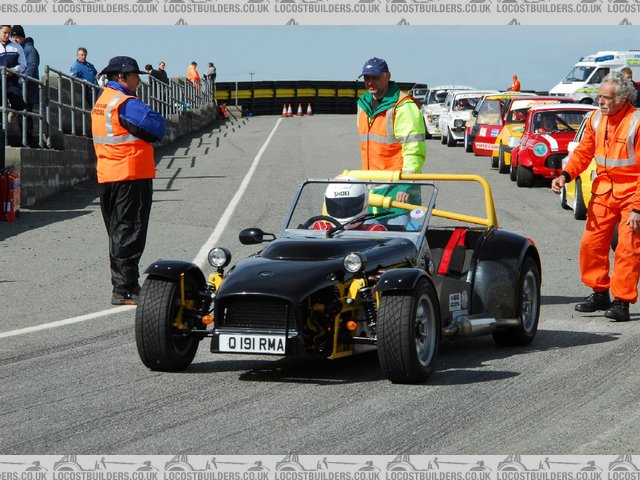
{"points": [[9, 194]]}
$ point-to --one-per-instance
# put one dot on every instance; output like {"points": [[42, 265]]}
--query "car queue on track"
{"points": [[537, 138]]}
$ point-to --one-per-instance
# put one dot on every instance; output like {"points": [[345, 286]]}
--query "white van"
{"points": [[583, 81]]}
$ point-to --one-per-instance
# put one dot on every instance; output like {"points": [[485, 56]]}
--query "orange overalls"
{"points": [[614, 141]]}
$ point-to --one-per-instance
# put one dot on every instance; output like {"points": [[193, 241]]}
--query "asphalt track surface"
{"points": [[72, 381]]}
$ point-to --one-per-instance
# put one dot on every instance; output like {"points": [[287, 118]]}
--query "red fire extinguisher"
{"points": [[9, 194]]}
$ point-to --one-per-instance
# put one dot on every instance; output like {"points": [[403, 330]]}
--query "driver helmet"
{"points": [[346, 201]]}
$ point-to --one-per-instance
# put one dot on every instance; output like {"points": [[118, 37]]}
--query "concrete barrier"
{"points": [[46, 172]]}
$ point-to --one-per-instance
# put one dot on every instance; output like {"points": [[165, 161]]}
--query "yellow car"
{"points": [[509, 137], [576, 194]]}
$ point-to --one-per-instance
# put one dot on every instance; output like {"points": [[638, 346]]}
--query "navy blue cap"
{"points": [[122, 65], [375, 67]]}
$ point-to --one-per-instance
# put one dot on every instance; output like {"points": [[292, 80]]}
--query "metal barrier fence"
{"points": [[63, 103]]}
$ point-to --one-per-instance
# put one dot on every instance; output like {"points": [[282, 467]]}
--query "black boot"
{"points": [[595, 301], [619, 311]]}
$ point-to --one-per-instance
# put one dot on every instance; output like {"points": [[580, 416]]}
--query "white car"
{"points": [[456, 110], [431, 106]]}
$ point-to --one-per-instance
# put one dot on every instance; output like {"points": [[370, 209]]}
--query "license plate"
{"points": [[267, 344]]}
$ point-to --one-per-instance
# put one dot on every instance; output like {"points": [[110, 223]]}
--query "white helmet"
{"points": [[346, 201]]}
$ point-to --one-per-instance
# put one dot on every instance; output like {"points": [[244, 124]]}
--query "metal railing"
{"points": [[65, 102]]}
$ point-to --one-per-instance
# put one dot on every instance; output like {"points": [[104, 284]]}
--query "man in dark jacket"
{"points": [[12, 58], [33, 63]]}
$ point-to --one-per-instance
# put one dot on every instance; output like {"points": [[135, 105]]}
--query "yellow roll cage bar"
{"points": [[491, 220]]}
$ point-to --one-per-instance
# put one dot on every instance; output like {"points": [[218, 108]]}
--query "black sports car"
{"points": [[362, 261]]}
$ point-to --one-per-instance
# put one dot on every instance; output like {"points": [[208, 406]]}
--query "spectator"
{"points": [[210, 74], [612, 137], [12, 57], [628, 76], [84, 70], [162, 74], [123, 129], [193, 76], [33, 62]]}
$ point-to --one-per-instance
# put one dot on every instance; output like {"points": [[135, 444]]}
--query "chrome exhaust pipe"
{"points": [[476, 325]]}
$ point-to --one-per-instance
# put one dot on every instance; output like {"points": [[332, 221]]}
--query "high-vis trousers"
{"points": [[604, 213]]}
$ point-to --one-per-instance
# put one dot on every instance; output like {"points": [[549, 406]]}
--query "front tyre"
{"points": [[527, 303], [563, 198], [451, 141], [468, 145], [409, 334], [524, 177], [580, 210], [161, 344], [502, 165]]}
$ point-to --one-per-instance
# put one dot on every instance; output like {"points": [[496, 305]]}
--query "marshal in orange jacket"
{"points": [[121, 155]]}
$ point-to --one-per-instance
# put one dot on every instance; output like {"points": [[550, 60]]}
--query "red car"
{"points": [[548, 129]]}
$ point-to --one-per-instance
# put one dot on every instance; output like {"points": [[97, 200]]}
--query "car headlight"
{"points": [[514, 141], [355, 262], [540, 149], [219, 257], [458, 123]]}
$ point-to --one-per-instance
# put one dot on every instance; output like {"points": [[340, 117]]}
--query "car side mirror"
{"points": [[474, 113], [253, 236]]}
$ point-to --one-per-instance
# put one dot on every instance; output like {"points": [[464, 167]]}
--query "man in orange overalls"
{"points": [[612, 136]]}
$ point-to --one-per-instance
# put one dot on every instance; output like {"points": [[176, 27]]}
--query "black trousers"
{"points": [[126, 207]]}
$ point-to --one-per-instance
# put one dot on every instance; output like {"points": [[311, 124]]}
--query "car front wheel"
{"points": [[502, 166], [451, 141], [580, 211], [513, 172], [524, 176], [468, 145], [161, 333], [409, 334], [443, 138], [527, 303], [563, 199]]}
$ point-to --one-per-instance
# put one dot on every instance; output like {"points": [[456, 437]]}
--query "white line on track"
{"points": [[200, 260]]}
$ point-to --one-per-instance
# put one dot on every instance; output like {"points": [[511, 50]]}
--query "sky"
{"points": [[480, 56]]}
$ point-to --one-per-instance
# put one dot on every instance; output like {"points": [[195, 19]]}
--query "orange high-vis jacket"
{"points": [[192, 74], [120, 155], [618, 166], [380, 148]]}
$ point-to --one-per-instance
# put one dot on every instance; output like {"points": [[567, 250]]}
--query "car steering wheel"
{"points": [[317, 218]]}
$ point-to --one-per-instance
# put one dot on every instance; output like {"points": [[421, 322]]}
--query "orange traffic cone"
{"points": [[284, 110], [289, 112], [309, 111], [299, 113]]}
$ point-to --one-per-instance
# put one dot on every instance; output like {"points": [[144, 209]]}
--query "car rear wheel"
{"points": [[580, 210], [527, 304], [502, 166], [409, 334], [161, 344], [524, 176], [494, 161], [513, 172]]}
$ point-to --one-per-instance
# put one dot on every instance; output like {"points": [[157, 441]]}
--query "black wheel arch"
{"points": [[499, 258], [172, 269], [401, 280]]}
